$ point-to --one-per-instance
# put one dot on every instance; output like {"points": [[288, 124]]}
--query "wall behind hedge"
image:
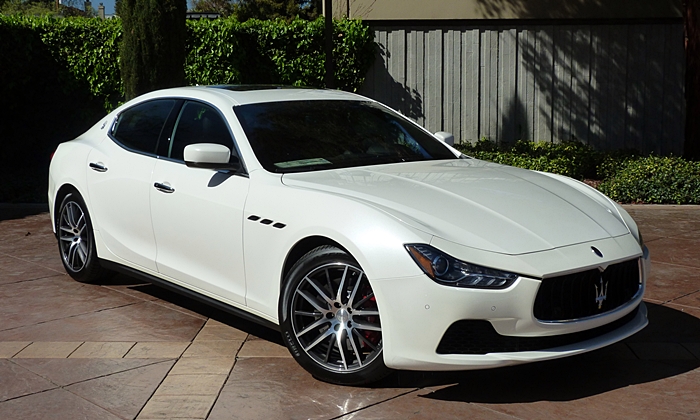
{"points": [[59, 76]]}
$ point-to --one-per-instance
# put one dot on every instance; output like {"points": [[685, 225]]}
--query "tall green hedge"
{"points": [[59, 76], [218, 51]]}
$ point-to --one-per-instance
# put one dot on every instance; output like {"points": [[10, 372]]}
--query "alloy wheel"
{"points": [[335, 318]]}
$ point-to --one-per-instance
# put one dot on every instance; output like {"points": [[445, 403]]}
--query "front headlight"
{"points": [[450, 271]]}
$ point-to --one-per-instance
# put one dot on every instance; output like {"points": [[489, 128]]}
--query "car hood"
{"points": [[476, 204]]}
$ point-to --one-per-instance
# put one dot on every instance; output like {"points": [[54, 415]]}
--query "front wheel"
{"points": [[76, 240], [330, 319]]}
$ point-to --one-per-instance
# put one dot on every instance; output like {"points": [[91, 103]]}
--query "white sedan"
{"points": [[370, 243]]}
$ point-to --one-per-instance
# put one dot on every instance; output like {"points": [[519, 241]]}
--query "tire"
{"points": [[330, 319], [76, 240]]}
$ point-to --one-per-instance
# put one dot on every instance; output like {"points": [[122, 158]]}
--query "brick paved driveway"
{"points": [[123, 350]]}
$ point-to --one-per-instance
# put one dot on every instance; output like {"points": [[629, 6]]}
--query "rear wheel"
{"points": [[76, 240], [330, 319]]}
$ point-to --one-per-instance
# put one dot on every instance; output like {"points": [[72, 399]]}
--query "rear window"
{"points": [[298, 136]]}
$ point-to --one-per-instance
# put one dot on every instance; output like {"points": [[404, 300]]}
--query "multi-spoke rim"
{"points": [[74, 237], [335, 318]]}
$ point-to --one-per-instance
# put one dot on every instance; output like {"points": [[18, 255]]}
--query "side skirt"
{"points": [[189, 293]]}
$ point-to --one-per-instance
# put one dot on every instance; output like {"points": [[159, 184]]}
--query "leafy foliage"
{"points": [[256, 51], [655, 180], [572, 159]]}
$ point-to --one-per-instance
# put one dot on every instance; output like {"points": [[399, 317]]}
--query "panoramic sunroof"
{"points": [[245, 88]]}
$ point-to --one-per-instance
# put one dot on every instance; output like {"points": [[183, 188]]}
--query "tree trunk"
{"points": [[691, 149]]}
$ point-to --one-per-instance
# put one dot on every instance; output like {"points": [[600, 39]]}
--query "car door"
{"points": [[197, 214], [119, 182]]}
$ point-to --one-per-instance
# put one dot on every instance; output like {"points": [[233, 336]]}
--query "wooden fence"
{"points": [[612, 86]]}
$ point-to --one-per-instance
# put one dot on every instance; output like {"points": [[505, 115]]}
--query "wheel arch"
{"points": [[301, 248], [61, 193]]}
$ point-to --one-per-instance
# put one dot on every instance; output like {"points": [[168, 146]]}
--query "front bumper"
{"points": [[416, 312]]}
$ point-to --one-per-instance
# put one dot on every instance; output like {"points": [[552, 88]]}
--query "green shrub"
{"points": [[655, 180], [572, 159]]}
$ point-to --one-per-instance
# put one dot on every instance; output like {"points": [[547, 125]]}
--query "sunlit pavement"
{"points": [[123, 350]]}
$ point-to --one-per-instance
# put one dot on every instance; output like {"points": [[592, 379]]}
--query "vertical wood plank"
{"points": [[636, 74], [561, 97], [580, 84], [653, 90], [419, 94], [448, 87], [470, 82], [674, 98], [508, 100], [544, 72], [617, 106]]}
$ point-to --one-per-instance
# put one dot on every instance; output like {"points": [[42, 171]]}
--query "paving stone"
{"points": [[165, 349], [203, 366], [16, 381], [678, 251], [10, 348], [102, 349], [218, 348], [170, 407], [262, 348], [137, 322], [48, 350], [198, 384], [70, 371], [220, 332], [13, 270], [670, 281], [123, 393], [56, 404], [272, 388], [52, 298]]}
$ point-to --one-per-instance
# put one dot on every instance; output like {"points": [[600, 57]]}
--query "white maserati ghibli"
{"points": [[370, 243]]}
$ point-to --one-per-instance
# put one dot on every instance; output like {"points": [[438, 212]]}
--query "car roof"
{"points": [[249, 94]]}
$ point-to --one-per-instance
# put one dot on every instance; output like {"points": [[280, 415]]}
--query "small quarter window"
{"points": [[139, 128]]}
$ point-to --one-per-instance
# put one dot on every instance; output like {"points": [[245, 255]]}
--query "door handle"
{"points": [[164, 188], [98, 166]]}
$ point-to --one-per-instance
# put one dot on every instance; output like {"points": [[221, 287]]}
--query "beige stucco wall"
{"points": [[507, 9]]}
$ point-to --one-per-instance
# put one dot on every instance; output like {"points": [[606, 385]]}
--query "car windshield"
{"points": [[298, 136]]}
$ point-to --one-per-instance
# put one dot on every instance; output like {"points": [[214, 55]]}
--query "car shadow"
{"points": [[194, 306], [572, 378]]}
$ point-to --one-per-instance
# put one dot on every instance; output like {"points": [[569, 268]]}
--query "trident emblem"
{"points": [[601, 294]]}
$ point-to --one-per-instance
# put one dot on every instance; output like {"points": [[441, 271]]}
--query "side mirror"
{"points": [[210, 156], [445, 137]]}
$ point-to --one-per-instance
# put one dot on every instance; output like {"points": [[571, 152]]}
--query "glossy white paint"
{"points": [[200, 236]]}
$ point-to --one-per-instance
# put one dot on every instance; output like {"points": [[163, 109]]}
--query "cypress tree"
{"points": [[153, 44]]}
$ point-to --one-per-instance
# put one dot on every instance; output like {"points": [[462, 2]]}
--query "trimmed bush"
{"points": [[59, 76], [572, 159], [655, 180]]}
